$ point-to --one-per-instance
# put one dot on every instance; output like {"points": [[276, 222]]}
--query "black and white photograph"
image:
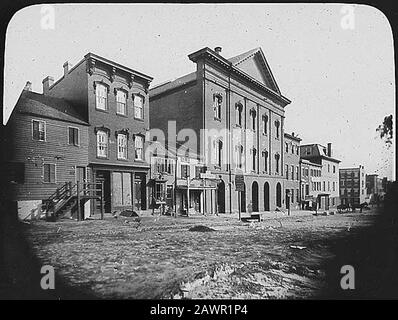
{"points": [[199, 152]]}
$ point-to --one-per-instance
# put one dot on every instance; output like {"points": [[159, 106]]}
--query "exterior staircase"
{"points": [[69, 199]]}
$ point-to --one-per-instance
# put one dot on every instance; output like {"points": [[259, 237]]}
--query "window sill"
{"points": [[122, 159], [139, 119], [217, 119], [122, 115], [139, 160], [102, 158], [73, 145], [102, 110], [264, 134]]}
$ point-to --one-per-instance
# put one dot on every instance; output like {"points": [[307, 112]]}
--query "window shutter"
{"points": [[36, 130], [46, 173], [52, 173]]}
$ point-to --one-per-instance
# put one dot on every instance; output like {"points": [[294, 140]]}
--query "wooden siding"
{"points": [[33, 154]]}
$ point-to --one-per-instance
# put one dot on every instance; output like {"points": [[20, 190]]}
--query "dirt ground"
{"points": [[295, 257]]}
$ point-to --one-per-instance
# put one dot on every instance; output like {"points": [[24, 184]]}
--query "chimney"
{"points": [[67, 66], [218, 50], [47, 83], [292, 134], [329, 149], [28, 86]]}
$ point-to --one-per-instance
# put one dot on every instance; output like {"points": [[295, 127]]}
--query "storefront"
{"points": [[124, 189]]}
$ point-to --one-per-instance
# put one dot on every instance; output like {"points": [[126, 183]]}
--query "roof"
{"points": [[292, 137], [48, 107], [172, 84], [305, 161], [233, 65], [320, 152]]}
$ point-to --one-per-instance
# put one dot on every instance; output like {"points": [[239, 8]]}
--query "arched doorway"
{"points": [[243, 199], [255, 196], [278, 195], [221, 197], [266, 196]]}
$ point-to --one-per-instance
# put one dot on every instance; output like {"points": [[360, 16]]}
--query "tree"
{"points": [[385, 130]]}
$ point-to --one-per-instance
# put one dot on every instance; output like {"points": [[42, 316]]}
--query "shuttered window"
{"points": [[73, 136], [49, 173], [38, 130]]}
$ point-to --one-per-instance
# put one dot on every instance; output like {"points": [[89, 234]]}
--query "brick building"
{"points": [[174, 176], [46, 143], [292, 169], [310, 183], [111, 101], [374, 186], [328, 197], [352, 185], [235, 110]]}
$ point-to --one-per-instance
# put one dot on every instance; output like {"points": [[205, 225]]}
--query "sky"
{"points": [[334, 62]]}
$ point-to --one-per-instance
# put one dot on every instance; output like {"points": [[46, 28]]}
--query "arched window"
{"points": [[217, 103], [254, 159], [238, 114], [277, 125], [277, 157], [265, 156], [239, 156], [253, 115], [265, 122]]}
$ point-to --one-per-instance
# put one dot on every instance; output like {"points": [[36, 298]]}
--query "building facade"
{"points": [[181, 183], [235, 110], [112, 101], [328, 197], [292, 170], [46, 143], [352, 185], [310, 183], [374, 186]]}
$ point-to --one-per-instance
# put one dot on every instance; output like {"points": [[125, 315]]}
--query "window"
{"points": [[139, 146], [254, 159], [297, 150], [277, 162], [184, 171], [121, 98], [39, 130], [312, 172], [238, 114], [73, 136], [292, 171], [218, 153], [297, 195], [239, 156], [265, 155], [217, 102], [49, 173], [253, 116], [308, 151], [328, 185], [328, 167], [138, 106], [101, 96], [307, 189], [287, 171], [199, 170], [292, 197], [324, 186], [169, 192], [121, 146], [292, 148], [297, 173], [286, 147], [334, 186], [277, 124], [102, 144], [265, 122], [334, 169]]}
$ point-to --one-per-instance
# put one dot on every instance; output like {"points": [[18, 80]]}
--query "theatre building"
{"points": [[236, 110]]}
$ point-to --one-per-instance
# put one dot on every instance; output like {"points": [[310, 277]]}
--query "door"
{"points": [[255, 196], [80, 174], [278, 195], [105, 177], [243, 199], [266, 196], [221, 197]]}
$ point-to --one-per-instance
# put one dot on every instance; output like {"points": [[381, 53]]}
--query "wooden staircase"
{"points": [[69, 199]]}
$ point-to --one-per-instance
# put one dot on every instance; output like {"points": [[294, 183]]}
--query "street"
{"points": [[297, 256]]}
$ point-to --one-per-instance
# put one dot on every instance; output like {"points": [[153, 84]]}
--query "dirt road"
{"points": [[158, 257]]}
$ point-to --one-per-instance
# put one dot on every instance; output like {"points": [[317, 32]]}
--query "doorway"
{"points": [[221, 197], [255, 196], [105, 176], [266, 196]]}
